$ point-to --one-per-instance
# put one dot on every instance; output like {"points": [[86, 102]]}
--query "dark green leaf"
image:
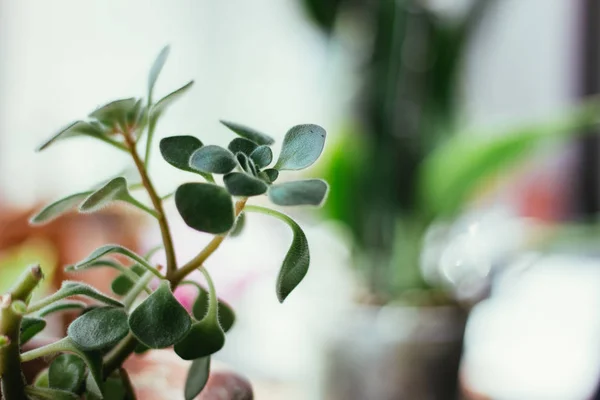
{"points": [[122, 284], [212, 159], [197, 377], [244, 162], [42, 393], [249, 133], [77, 128], [117, 113], [241, 145], [307, 192], [205, 207], [69, 289], [302, 146], [271, 174], [114, 190], [205, 338], [253, 169], [157, 67], [99, 329], [31, 326], [262, 156], [160, 321], [114, 249], [177, 151], [241, 184], [296, 262], [67, 372], [200, 310], [58, 208], [64, 305]]}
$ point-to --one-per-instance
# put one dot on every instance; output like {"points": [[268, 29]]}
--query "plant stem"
{"points": [[157, 203], [119, 354], [210, 248], [13, 382]]}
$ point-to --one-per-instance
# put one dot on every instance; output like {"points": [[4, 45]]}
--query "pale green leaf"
{"points": [[249, 133], [70, 289], [262, 156], [197, 377], [65, 305], [212, 159], [241, 145], [77, 128], [306, 192], [114, 249], [114, 190], [157, 67], [301, 147], [58, 208]]}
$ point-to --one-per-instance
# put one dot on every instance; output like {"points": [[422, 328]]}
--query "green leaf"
{"points": [[123, 283], [241, 184], [169, 99], [244, 162], [69, 289], [92, 359], [205, 207], [302, 146], [271, 175], [241, 145], [197, 377], [296, 262], [114, 190], [114, 249], [160, 321], [205, 338], [77, 128], [262, 156], [118, 113], [31, 326], [42, 379], [306, 192], [67, 372], [177, 151], [212, 159], [65, 305], [249, 133], [157, 67], [200, 309], [42, 393], [99, 329], [58, 208]]}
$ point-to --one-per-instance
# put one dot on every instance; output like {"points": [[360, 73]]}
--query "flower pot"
{"points": [[396, 352]]}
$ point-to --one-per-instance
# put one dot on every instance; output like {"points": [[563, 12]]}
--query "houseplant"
{"points": [[405, 164], [88, 361]]}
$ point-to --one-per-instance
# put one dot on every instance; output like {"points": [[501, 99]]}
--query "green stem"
{"points": [[13, 382], [213, 303], [138, 288], [119, 354]]}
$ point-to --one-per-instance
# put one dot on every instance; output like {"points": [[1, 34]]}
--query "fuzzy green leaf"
{"points": [[77, 128], [115, 190], [307, 192], [200, 309], [157, 67], [197, 377], [99, 328], [31, 326], [205, 207], [123, 283], [205, 338], [119, 113], [69, 289], [177, 151], [302, 146], [160, 321], [249, 133], [241, 145], [42, 379], [244, 162], [296, 262], [169, 99], [270, 175], [65, 305], [114, 249], [42, 393], [58, 208], [241, 184], [212, 159], [67, 372], [262, 156]]}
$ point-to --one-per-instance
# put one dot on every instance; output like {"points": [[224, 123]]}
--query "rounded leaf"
{"points": [[205, 207], [241, 145], [197, 377], [177, 150], [31, 326], [160, 320], [122, 284], [262, 156], [212, 159], [200, 310], [241, 184], [270, 175], [67, 372], [302, 146], [205, 338], [249, 133], [307, 192], [99, 328]]}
